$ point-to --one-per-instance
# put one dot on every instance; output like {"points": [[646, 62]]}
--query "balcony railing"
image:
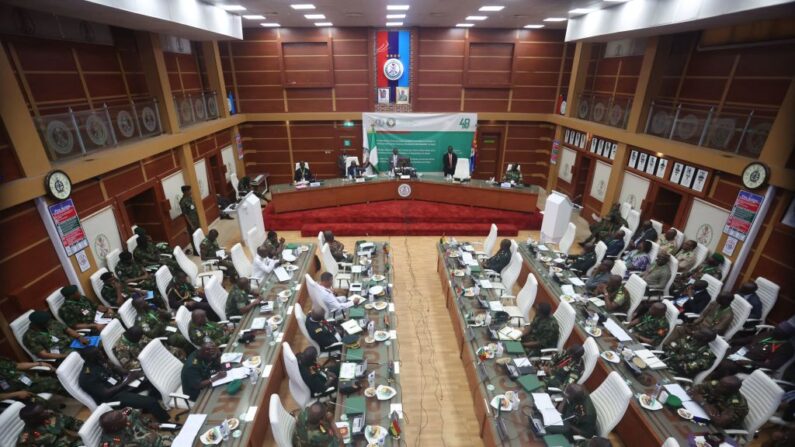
{"points": [[738, 131], [77, 133], [609, 110], [195, 108]]}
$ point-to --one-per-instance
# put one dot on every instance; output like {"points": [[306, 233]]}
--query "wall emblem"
{"points": [[101, 246], [704, 234], [393, 69], [96, 130], [149, 119], [58, 137], [125, 124], [404, 190]]}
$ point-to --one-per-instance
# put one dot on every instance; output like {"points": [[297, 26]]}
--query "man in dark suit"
{"points": [[615, 245], [644, 232], [303, 173], [449, 161], [394, 159]]}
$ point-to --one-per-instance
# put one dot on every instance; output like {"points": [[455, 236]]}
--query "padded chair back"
{"points": [[624, 210], [527, 296], [90, 432], [19, 326], [298, 165], [611, 400], [670, 442], [672, 317], [54, 302], [183, 320], [300, 317], [298, 389], [767, 291], [564, 314], [713, 285], [198, 237], [162, 369], [282, 422], [112, 260], [655, 250], [568, 238], [110, 335], [701, 254], [725, 268], [189, 267], [627, 239], [462, 170], [511, 272], [313, 289], [633, 220], [69, 374], [673, 267], [251, 241], [491, 239], [589, 358], [216, 296], [132, 243], [679, 239], [162, 278], [741, 309], [96, 285], [127, 313], [348, 161], [658, 226], [719, 346], [240, 261], [329, 263], [12, 425], [763, 396], [234, 181], [636, 287], [514, 246], [619, 268], [321, 239], [600, 249]]}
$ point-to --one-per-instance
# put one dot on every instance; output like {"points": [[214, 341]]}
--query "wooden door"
{"points": [[489, 144]]}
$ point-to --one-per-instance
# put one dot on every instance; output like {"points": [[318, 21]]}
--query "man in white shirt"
{"points": [[334, 303], [263, 264]]}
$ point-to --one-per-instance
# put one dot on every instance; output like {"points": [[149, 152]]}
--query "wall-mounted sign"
{"points": [[745, 208], [553, 158], [64, 215]]}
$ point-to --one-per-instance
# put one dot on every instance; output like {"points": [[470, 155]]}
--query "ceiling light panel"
{"points": [[394, 23], [534, 26], [491, 8], [303, 6], [232, 7], [324, 24], [465, 25], [474, 18], [396, 16], [254, 17], [397, 7], [315, 16], [555, 19], [269, 25]]}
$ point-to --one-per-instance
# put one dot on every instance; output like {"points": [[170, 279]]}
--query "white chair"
{"points": [[633, 220], [719, 346], [90, 432], [619, 268], [192, 270], [679, 239], [611, 400], [767, 291], [701, 254], [658, 227], [163, 278], [298, 389], [524, 299], [725, 268], [741, 309], [12, 425], [164, 371], [216, 296], [19, 326], [198, 237], [132, 243], [348, 161], [313, 288], [564, 315], [127, 313], [321, 239], [511, 272], [300, 318], [600, 249], [68, 374], [242, 265], [655, 249], [672, 317], [251, 241], [589, 358], [282, 422], [670, 442], [490, 241], [636, 288], [627, 240], [235, 182], [568, 239], [110, 335], [183, 321], [112, 259], [97, 284], [763, 396], [714, 285], [462, 171], [55, 301], [514, 246], [331, 266], [624, 210]]}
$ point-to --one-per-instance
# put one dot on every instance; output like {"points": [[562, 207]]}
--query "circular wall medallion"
{"points": [[616, 113], [125, 124], [582, 109], [198, 108], [563, 108], [404, 190], [704, 234], [600, 189], [59, 137], [687, 127], [212, 106], [393, 69], [185, 111], [660, 123], [756, 137], [101, 246], [755, 175], [599, 110], [149, 119], [722, 132], [97, 130]]}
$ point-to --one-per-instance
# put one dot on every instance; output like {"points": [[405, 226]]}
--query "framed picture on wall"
{"points": [[700, 180], [583, 140], [580, 139], [642, 161], [661, 165], [594, 141], [651, 165], [383, 96], [676, 173], [567, 138], [687, 176], [600, 147], [613, 150], [606, 150], [633, 159]]}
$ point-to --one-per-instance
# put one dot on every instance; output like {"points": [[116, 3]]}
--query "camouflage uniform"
{"points": [[12, 379], [688, 356], [337, 249], [125, 271], [208, 249], [190, 213], [79, 311], [655, 328], [498, 261], [734, 403], [307, 436], [666, 245], [54, 338], [179, 293], [563, 370], [153, 327], [150, 255], [620, 298], [580, 415], [682, 281], [209, 332], [108, 293], [513, 176], [544, 331], [269, 245], [236, 301], [135, 434], [52, 433]]}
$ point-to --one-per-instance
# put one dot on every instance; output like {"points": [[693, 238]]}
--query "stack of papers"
{"points": [[485, 284], [598, 302], [689, 405], [351, 327], [567, 289], [347, 370], [231, 357], [618, 332], [466, 258], [651, 360], [281, 274], [495, 306], [233, 374], [509, 333], [189, 430], [544, 405], [542, 247], [258, 323], [99, 318], [576, 281]]}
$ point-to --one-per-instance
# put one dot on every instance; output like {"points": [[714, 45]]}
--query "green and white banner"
{"points": [[422, 137]]}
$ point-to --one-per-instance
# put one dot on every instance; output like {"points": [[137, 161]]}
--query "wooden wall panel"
{"points": [[9, 164], [613, 76]]}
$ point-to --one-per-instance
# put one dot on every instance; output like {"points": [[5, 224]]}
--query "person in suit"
{"points": [[449, 160], [695, 299], [354, 170], [393, 160], [748, 291], [303, 174], [615, 245], [645, 232]]}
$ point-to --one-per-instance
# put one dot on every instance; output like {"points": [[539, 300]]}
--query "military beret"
{"points": [[40, 317], [106, 276], [718, 257], [140, 231], [125, 256], [69, 290]]}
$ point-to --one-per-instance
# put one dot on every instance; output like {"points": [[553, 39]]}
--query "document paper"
{"points": [[189, 430]]}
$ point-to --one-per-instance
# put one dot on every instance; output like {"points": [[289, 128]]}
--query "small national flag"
{"points": [[473, 157], [372, 156], [394, 427]]}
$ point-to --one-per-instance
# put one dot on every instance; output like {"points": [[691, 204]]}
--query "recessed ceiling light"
{"points": [[254, 17], [476, 18], [315, 16], [465, 25], [232, 7], [580, 11], [303, 6], [491, 8], [555, 19], [269, 25], [397, 7], [324, 24], [534, 26], [394, 23], [396, 16]]}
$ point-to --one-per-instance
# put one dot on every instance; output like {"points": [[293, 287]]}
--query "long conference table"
{"points": [[429, 187], [639, 426]]}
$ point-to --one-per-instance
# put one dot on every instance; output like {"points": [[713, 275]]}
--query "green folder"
{"points": [[513, 347], [354, 405], [530, 382], [291, 245], [354, 355], [356, 312], [474, 269], [556, 441]]}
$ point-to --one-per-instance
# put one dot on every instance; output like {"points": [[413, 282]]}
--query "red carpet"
{"points": [[402, 217]]}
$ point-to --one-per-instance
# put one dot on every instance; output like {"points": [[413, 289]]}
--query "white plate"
{"points": [[381, 335], [374, 438], [355, 297], [378, 277], [253, 362], [275, 320], [384, 392], [684, 414], [459, 273], [365, 261], [653, 404], [233, 423], [369, 392], [499, 399], [285, 293], [376, 290], [614, 359], [290, 267], [217, 433], [379, 305], [596, 332]]}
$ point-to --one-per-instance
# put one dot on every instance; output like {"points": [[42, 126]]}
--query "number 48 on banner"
{"points": [[464, 123]]}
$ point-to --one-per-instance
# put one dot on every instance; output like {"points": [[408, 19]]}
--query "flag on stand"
{"points": [[372, 156], [473, 157]]}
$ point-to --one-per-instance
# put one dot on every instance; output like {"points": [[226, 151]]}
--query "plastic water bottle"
{"points": [[371, 329], [657, 389], [268, 331], [225, 430], [252, 376], [620, 347], [488, 319], [500, 349]]}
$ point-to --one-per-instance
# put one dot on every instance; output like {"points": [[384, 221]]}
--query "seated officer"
{"points": [[181, 293], [209, 249], [154, 324], [564, 368], [322, 332], [542, 333], [129, 427], [336, 247], [615, 295], [314, 426], [162, 247], [115, 292], [18, 382], [695, 299], [201, 331], [130, 271], [237, 303], [585, 261], [303, 174], [147, 254], [48, 338], [722, 401], [79, 312], [691, 354], [577, 412], [354, 170], [513, 175], [717, 316], [600, 275], [105, 382], [274, 243], [131, 343], [201, 369], [500, 259], [652, 327], [321, 380], [46, 428]]}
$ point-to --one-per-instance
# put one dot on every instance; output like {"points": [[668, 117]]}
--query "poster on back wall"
{"points": [[393, 66]]}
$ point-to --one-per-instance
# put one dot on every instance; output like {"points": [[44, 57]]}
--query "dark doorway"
{"points": [[142, 210], [487, 154], [665, 206], [218, 174], [582, 177]]}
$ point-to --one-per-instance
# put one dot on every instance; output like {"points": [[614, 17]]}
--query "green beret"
{"points": [[69, 290], [140, 231], [39, 317], [718, 257]]}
